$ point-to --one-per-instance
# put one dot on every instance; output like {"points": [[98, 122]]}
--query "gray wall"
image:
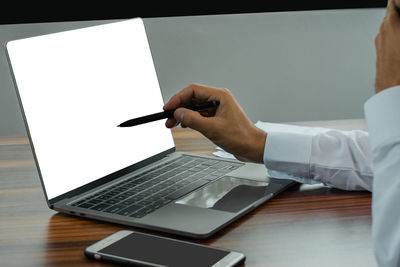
{"points": [[286, 66]]}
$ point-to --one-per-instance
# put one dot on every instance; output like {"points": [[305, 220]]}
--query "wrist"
{"points": [[256, 153]]}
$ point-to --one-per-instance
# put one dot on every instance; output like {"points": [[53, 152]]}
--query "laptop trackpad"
{"points": [[227, 194]]}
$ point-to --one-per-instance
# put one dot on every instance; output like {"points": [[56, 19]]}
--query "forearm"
{"points": [[337, 158]]}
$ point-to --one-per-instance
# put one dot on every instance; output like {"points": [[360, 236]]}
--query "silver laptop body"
{"points": [[74, 88]]}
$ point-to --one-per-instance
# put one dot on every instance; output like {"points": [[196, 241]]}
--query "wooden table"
{"points": [[304, 226]]}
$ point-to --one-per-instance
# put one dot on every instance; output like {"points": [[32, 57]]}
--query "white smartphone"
{"points": [[139, 249]]}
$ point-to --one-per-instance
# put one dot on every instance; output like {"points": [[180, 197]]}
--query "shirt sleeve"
{"points": [[382, 113], [340, 159]]}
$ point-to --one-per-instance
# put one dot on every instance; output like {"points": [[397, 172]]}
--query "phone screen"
{"points": [[163, 251]]}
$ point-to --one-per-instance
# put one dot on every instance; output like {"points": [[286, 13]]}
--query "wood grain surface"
{"points": [[303, 226]]}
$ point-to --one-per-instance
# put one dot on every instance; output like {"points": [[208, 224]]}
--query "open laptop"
{"points": [[74, 88]]}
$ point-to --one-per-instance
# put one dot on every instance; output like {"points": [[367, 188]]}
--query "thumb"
{"points": [[192, 119]]}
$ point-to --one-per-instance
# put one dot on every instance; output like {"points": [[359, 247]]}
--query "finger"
{"points": [[193, 119], [171, 122], [174, 102], [198, 92], [202, 92]]}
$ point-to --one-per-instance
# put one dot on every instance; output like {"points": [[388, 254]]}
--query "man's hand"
{"points": [[228, 126], [387, 44]]}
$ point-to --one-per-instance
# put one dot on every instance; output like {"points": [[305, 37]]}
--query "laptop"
{"points": [[74, 88]]}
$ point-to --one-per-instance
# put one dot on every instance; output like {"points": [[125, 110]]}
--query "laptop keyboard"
{"points": [[144, 193]]}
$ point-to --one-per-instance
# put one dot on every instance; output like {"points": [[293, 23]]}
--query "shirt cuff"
{"points": [[289, 153], [382, 114]]}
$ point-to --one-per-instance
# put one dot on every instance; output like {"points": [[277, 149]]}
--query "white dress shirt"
{"points": [[341, 159], [383, 119], [351, 160]]}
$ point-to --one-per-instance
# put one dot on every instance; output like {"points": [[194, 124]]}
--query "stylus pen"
{"points": [[167, 114]]}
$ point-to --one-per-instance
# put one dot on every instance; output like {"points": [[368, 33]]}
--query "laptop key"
{"points": [[187, 189], [184, 182], [138, 214], [115, 208], [166, 191], [100, 207], [157, 204], [153, 198], [120, 197], [128, 194], [147, 210], [95, 201], [78, 202], [128, 202], [129, 210], [144, 202], [165, 201], [121, 189], [104, 197], [210, 162], [211, 177], [220, 165], [113, 193], [112, 201]]}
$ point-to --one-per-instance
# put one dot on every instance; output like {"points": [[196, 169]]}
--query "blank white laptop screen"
{"points": [[75, 88]]}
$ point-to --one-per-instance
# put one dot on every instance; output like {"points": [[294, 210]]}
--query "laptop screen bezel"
{"points": [[89, 186], [93, 184]]}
